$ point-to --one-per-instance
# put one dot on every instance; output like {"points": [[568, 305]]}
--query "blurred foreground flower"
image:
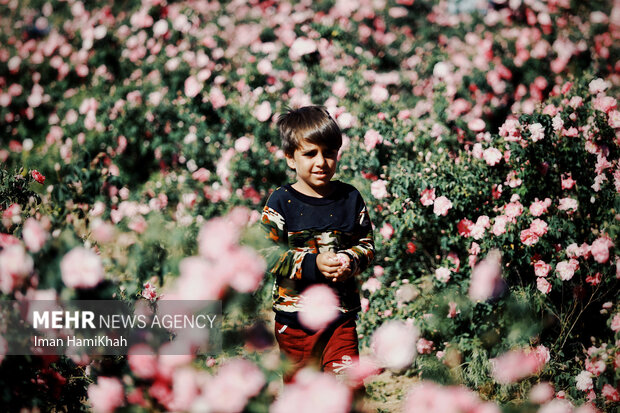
{"points": [[394, 344], [81, 268], [313, 392], [518, 364], [429, 397], [15, 266], [106, 395], [34, 235], [486, 278], [320, 307]]}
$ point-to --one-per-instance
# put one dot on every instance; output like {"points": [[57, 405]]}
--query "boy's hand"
{"points": [[338, 266], [328, 264]]}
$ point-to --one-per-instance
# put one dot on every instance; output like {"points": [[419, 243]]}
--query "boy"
{"points": [[310, 222]]}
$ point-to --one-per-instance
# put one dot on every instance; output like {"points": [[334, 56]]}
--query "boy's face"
{"points": [[315, 166]]}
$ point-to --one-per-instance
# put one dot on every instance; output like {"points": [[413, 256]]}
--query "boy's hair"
{"points": [[309, 123]]}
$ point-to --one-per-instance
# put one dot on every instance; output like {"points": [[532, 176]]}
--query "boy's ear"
{"points": [[290, 161]]}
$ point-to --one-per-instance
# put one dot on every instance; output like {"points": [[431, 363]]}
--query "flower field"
{"points": [[138, 147]]}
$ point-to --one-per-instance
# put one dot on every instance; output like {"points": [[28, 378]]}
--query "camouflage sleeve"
{"points": [[281, 260], [363, 252]]}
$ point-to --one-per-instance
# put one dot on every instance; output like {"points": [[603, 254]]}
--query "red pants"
{"points": [[332, 349]]}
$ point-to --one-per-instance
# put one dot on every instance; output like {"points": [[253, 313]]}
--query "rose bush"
{"points": [[139, 146]]}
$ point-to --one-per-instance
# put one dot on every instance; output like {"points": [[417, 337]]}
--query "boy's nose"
{"points": [[320, 159]]}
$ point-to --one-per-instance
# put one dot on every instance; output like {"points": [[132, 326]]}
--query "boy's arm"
{"points": [[363, 252], [281, 260]]}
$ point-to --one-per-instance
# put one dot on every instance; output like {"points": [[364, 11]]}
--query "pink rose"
{"points": [[541, 269], [615, 323], [378, 189], [597, 86], [428, 197], [571, 132], [513, 209], [584, 381], [540, 207], [343, 259], [149, 292], [81, 268], [386, 231], [614, 119], [242, 268], [486, 278], [604, 103], [442, 274], [492, 156], [339, 88], [424, 346], [138, 224], [543, 285], [15, 266], [499, 225], [474, 248], [264, 67], [102, 232], [319, 307], [565, 270], [106, 395], [477, 125], [558, 405], [537, 132], [313, 391], [378, 93], [371, 139], [394, 344], [477, 231], [301, 46], [243, 144], [217, 236], [142, 361], [441, 206], [573, 250], [600, 249], [263, 112], [236, 382], [568, 182], [518, 364], [6, 240], [365, 304], [160, 28], [568, 204], [201, 175], [192, 87], [371, 285], [541, 393], [430, 397], [528, 237], [217, 98], [510, 130], [34, 235], [539, 227], [610, 393]]}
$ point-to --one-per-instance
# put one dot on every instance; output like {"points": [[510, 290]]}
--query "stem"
{"points": [[590, 300]]}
